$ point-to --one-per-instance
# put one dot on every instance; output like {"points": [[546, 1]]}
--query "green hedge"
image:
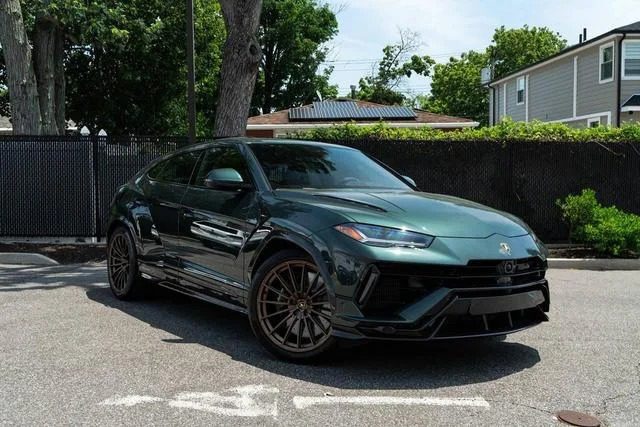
{"points": [[608, 229], [506, 131]]}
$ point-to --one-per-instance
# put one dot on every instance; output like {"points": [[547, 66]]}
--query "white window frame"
{"points": [[524, 89], [593, 120], [624, 60], [611, 45]]}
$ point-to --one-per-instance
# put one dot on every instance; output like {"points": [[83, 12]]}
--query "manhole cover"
{"points": [[578, 419]]}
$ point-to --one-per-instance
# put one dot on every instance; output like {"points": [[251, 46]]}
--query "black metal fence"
{"points": [[62, 186]]}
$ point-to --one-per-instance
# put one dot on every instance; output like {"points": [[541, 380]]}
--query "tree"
{"points": [[515, 48], [34, 36], [124, 63], [240, 60], [398, 62], [21, 77], [136, 83], [456, 88], [292, 37], [5, 107]]}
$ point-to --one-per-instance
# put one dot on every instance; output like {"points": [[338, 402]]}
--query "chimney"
{"points": [[584, 34], [353, 91], [580, 39]]}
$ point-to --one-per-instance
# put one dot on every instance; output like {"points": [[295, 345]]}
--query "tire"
{"points": [[289, 308], [122, 266]]}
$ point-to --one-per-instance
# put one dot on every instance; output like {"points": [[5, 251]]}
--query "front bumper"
{"points": [[423, 302], [457, 288], [455, 313]]}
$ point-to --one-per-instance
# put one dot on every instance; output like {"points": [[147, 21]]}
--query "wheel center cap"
{"points": [[302, 304]]}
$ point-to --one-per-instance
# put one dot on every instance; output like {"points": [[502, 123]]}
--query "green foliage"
{"points": [[398, 62], [515, 48], [507, 130], [608, 229], [293, 34], [133, 79], [456, 88]]}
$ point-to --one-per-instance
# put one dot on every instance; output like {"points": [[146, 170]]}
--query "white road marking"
{"points": [[131, 400], [302, 402], [246, 403]]}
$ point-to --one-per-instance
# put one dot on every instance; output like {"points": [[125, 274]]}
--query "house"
{"points": [[596, 82], [337, 111], [5, 125], [7, 129]]}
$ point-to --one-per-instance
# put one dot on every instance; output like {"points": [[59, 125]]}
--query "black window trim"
{"points": [[168, 158]]}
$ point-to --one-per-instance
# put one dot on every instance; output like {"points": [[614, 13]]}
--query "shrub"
{"points": [[507, 130], [608, 229]]}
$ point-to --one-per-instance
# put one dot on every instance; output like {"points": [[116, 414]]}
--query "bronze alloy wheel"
{"points": [[293, 307], [119, 265]]}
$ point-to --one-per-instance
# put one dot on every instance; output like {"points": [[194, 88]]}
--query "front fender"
{"points": [[310, 243]]}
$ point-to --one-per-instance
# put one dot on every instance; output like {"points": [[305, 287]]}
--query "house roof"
{"points": [[631, 104], [626, 29], [354, 110]]}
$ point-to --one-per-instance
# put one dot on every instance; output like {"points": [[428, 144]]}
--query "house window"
{"points": [[631, 59], [606, 63], [520, 91], [593, 123]]}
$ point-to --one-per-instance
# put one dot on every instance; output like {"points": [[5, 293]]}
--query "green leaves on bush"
{"points": [[507, 130], [608, 229]]}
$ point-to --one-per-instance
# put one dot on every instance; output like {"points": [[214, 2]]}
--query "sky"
{"points": [[450, 27]]}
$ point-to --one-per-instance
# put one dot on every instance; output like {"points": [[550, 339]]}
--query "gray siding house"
{"points": [[596, 82]]}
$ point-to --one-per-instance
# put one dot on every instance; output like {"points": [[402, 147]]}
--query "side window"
{"points": [[223, 157], [520, 90], [176, 169], [606, 63]]}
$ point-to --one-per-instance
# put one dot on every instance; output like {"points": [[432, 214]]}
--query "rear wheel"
{"points": [[122, 265], [289, 307]]}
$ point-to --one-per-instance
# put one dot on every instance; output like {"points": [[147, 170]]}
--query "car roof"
{"points": [[260, 141]]}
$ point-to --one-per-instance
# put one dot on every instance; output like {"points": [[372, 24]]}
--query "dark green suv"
{"points": [[319, 242]]}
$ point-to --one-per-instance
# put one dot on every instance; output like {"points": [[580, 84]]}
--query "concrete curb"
{"points": [[597, 264], [25, 258]]}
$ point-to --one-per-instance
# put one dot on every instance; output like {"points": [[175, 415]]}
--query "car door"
{"points": [[215, 222], [165, 187]]}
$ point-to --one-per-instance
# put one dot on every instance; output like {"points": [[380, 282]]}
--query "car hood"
{"points": [[434, 214]]}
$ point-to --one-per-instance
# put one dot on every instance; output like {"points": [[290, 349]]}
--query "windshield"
{"points": [[291, 165]]}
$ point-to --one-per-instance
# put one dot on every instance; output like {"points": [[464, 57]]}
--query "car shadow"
{"points": [[389, 365]]}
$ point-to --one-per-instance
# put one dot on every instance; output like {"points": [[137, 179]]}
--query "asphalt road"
{"points": [[72, 354]]}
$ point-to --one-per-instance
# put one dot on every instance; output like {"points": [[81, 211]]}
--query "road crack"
{"points": [[607, 400]]}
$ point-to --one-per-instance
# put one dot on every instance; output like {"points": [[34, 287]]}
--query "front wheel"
{"points": [[289, 307]]}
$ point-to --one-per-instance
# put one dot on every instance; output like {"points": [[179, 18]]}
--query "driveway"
{"points": [[71, 353]]}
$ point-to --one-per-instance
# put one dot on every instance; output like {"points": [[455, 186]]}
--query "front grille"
{"points": [[468, 325], [399, 285]]}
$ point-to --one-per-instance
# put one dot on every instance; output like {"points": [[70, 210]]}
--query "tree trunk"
{"points": [[21, 79], [44, 48], [240, 60], [60, 83]]}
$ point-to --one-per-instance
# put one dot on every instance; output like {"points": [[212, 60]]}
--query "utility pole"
{"points": [[191, 74]]}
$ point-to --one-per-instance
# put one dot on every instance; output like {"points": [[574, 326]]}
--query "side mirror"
{"points": [[409, 180], [225, 179]]}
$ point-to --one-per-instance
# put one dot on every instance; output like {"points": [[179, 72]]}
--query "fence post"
{"points": [[96, 194]]}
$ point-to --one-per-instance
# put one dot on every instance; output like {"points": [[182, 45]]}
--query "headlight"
{"points": [[385, 237]]}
